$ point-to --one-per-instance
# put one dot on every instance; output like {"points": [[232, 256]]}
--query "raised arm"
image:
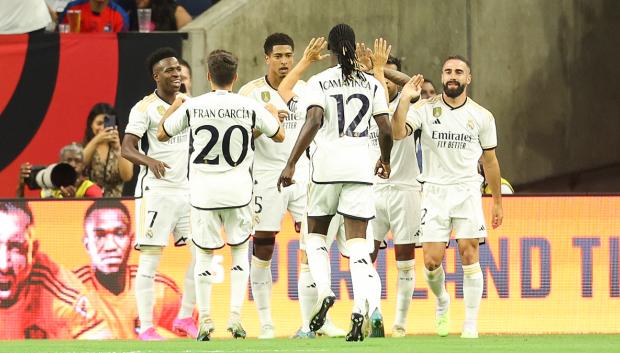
{"points": [[411, 91], [397, 77], [494, 180], [379, 59], [312, 53]]}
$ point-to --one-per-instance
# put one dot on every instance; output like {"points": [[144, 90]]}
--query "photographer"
{"points": [[102, 151], [72, 155]]}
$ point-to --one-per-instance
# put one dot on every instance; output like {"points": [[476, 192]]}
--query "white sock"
{"points": [[203, 276], [437, 282], [260, 275], [145, 284], [361, 274], [472, 294], [318, 261], [374, 295], [188, 301], [404, 287], [307, 294], [239, 272]]}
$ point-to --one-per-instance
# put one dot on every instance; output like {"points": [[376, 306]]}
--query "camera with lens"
{"points": [[51, 177]]}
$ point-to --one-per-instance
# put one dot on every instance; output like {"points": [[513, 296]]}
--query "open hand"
{"points": [[381, 53], [312, 52], [413, 88], [364, 56]]}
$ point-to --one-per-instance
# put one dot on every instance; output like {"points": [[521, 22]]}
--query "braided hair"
{"points": [[341, 42]]}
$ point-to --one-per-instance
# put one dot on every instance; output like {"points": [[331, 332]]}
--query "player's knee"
{"points": [[432, 262], [263, 247], [303, 258]]}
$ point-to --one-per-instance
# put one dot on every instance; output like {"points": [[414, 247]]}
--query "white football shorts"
{"points": [[207, 227], [160, 213]]}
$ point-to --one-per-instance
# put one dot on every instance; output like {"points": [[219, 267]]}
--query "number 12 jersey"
{"points": [[341, 154]]}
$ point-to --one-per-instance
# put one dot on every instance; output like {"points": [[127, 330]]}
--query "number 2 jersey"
{"points": [[452, 139], [222, 152], [143, 120], [342, 152]]}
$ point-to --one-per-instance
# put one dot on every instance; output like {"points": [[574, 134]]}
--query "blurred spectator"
{"points": [[186, 76], [102, 152], [166, 15], [24, 16], [428, 89], [98, 16], [71, 154], [196, 7]]}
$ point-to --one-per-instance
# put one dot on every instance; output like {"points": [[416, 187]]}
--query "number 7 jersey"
{"points": [[342, 154], [221, 149]]}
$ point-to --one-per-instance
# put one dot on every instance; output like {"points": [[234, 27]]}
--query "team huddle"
{"points": [[339, 153]]}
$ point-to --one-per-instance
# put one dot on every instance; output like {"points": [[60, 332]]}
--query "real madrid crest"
{"points": [[161, 110], [470, 124], [265, 96], [437, 112]]}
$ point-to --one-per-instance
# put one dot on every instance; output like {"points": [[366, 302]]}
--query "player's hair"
{"points": [[72, 147], [458, 57], [429, 81], [183, 62], [97, 109], [222, 66], [341, 42], [157, 56], [277, 39], [394, 61], [106, 204], [13, 206]]}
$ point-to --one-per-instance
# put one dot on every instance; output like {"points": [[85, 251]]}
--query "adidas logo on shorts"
{"points": [[482, 228], [436, 121]]}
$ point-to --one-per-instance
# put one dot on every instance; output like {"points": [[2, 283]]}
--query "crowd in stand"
{"points": [[27, 16]]}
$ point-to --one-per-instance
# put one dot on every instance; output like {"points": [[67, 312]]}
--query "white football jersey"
{"points": [[221, 123], [342, 151], [269, 155], [452, 139], [403, 160], [144, 118]]}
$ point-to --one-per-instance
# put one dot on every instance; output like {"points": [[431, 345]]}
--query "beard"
{"points": [[454, 92]]}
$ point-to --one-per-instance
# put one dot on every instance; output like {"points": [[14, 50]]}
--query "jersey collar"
{"points": [[451, 107]]}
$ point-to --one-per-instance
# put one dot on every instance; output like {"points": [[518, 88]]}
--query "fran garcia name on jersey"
{"points": [[222, 113]]}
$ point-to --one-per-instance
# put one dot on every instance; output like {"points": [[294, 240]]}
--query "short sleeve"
{"points": [[138, 122], [379, 103], [265, 122], [313, 94], [414, 116], [488, 133], [177, 121]]}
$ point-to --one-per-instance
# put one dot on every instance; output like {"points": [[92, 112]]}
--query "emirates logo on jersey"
{"points": [[265, 96]]}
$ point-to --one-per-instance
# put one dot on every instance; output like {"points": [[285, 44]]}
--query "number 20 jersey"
{"points": [[341, 154], [220, 164]]}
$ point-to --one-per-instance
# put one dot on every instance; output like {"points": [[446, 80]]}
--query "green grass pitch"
{"points": [[417, 344]]}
